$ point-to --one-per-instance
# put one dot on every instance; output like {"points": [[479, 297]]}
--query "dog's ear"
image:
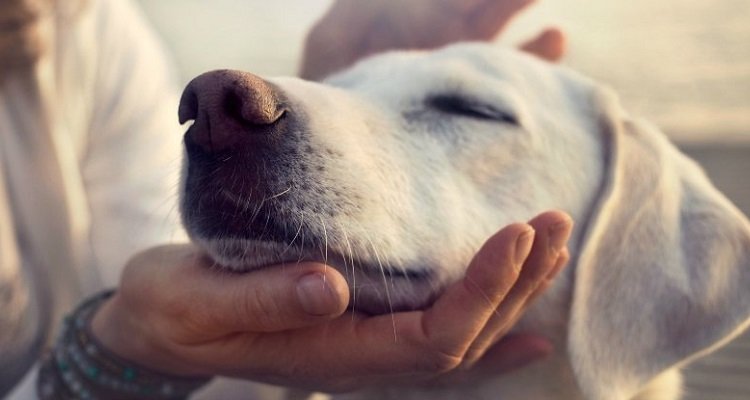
{"points": [[664, 271]]}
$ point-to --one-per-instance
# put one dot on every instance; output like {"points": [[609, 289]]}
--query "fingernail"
{"points": [[523, 246], [559, 235], [316, 295]]}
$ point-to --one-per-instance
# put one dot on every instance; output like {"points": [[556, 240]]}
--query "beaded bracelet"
{"points": [[79, 367]]}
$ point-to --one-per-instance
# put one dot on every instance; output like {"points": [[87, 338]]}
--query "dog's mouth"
{"points": [[375, 288], [244, 235]]}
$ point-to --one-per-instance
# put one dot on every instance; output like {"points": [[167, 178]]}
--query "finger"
{"points": [[460, 313], [562, 261], [277, 298], [511, 353], [491, 17], [553, 230], [213, 301], [548, 45]]}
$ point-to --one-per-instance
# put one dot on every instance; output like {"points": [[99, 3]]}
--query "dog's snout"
{"points": [[229, 106]]}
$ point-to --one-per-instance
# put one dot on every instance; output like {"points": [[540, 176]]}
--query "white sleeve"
{"points": [[26, 388], [132, 154], [132, 162]]}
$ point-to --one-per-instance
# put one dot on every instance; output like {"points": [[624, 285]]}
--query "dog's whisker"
{"points": [[348, 252], [325, 244], [265, 227], [296, 235], [385, 285], [350, 255], [280, 193], [302, 244]]}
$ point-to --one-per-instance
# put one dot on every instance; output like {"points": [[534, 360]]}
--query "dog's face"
{"points": [[395, 171]]}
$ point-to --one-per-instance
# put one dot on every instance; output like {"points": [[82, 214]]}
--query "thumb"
{"points": [[291, 296], [275, 298]]}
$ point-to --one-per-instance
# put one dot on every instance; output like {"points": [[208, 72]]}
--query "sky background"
{"points": [[683, 64]]}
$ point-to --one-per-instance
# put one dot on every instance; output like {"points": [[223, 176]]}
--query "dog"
{"points": [[396, 170]]}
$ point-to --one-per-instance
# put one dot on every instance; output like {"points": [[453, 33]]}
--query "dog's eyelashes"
{"points": [[470, 108]]}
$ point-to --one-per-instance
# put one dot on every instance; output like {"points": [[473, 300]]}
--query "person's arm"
{"points": [[288, 326], [353, 29]]}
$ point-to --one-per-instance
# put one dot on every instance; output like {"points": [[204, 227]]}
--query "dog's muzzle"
{"points": [[243, 147]]}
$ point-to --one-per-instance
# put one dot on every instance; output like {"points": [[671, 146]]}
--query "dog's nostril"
{"points": [[250, 109], [188, 109]]}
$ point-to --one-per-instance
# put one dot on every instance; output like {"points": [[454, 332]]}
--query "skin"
{"points": [[20, 42], [176, 313], [354, 29]]}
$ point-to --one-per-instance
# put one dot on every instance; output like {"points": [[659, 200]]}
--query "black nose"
{"points": [[228, 107]]}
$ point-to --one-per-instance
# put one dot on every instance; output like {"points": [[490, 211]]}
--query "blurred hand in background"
{"points": [[353, 29]]}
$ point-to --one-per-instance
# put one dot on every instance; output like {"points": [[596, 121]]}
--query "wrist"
{"points": [[80, 367], [134, 339], [112, 329]]}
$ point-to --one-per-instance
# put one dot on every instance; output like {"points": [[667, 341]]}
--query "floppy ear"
{"points": [[664, 272]]}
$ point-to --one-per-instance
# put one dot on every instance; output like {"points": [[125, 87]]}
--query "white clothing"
{"points": [[90, 152]]}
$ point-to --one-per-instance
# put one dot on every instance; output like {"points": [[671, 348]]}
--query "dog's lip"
{"points": [[297, 255], [366, 268], [387, 276], [369, 282], [417, 274]]}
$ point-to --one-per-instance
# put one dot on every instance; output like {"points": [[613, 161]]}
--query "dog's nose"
{"points": [[228, 107]]}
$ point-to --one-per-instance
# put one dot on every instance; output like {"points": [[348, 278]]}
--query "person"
{"points": [[86, 98]]}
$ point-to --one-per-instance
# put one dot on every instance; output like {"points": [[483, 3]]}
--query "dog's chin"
{"points": [[373, 290], [242, 255]]}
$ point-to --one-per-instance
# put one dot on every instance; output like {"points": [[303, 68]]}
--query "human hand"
{"points": [[174, 313], [353, 29]]}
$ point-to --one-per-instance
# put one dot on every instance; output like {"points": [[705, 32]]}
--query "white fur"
{"points": [[660, 264]]}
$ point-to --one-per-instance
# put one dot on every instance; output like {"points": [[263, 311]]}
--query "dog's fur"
{"points": [[407, 162]]}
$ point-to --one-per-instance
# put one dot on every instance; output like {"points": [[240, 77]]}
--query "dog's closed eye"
{"points": [[470, 108]]}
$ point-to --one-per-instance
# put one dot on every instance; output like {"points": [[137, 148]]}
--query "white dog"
{"points": [[398, 169]]}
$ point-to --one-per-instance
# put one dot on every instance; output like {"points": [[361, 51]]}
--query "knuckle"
{"points": [[259, 309], [180, 320], [473, 355], [442, 361]]}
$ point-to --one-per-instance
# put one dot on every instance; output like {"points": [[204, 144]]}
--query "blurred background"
{"points": [[682, 64]]}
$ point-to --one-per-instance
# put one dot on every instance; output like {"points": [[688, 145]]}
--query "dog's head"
{"points": [[396, 170]]}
